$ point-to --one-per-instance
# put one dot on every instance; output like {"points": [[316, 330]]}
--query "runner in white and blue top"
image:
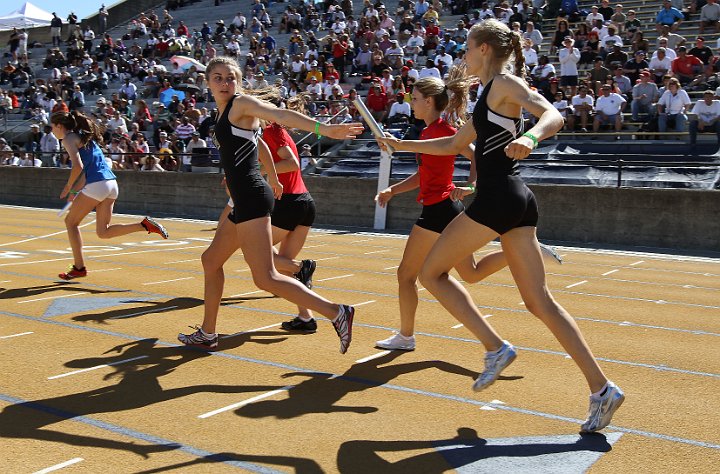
{"points": [[96, 184]]}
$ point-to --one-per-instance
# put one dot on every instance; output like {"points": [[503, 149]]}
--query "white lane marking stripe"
{"points": [[610, 272], [6, 281], [154, 310], [376, 251], [96, 367], [182, 261], [364, 302], [247, 293], [163, 249], [487, 316], [51, 297], [361, 240], [59, 466], [337, 277], [392, 268], [168, 281], [371, 357], [325, 258], [43, 236], [16, 335], [250, 330], [577, 284], [313, 246], [457, 326], [107, 270], [244, 402], [637, 263]]}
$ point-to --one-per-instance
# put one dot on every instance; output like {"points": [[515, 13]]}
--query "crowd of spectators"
{"points": [[605, 63]]}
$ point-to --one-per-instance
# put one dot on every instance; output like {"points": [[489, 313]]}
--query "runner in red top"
{"points": [[435, 172]]}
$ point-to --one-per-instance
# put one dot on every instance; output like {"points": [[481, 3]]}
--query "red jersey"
{"points": [[685, 65], [277, 137], [436, 172]]}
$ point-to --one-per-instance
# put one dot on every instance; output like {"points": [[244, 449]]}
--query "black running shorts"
{"points": [[253, 204], [436, 217], [503, 204], [293, 210]]}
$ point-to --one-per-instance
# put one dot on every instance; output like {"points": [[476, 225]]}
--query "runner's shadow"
{"points": [[363, 456], [300, 465], [321, 391], [138, 386], [9, 293], [150, 308], [239, 299]]}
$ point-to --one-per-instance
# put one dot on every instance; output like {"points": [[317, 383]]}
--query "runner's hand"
{"points": [[519, 149], [459, 193], [342, 131], [384, 196]]}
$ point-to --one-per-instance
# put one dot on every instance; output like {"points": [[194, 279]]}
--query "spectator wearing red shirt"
{"points": [[686, 67], [432, 34], [182, 30], [339, 50], [377, 102]]}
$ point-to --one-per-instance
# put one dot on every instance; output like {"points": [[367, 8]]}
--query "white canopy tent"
{"points": [[28, 16]]}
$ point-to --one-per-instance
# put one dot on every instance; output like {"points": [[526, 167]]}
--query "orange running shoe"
{"points": [[154, 227], [73, 273]]}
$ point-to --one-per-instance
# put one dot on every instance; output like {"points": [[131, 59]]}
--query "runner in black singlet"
{"points": [[505, 207], [236, 138]]}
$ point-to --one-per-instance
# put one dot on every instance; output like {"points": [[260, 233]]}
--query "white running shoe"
{"points": [[602, 408], [397, 342], [495, 363], [549, 251]]}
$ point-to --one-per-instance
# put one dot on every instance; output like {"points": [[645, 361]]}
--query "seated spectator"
{"points": [[669, 16], [672, 106], [415, 45], [377, 102], [561, 104], [608, 108], [611, 40], [644, 96], [561, 33], [702, 52], [632, 25], [635, 66], [429, 70], [686, 67], [533, 34], [594, 16], [674, 40], [142, 115], [707, 111], [150, 163], [710, 16], [542, 73], [618, 18], [605, 10], [529, 54], [622, 83]]}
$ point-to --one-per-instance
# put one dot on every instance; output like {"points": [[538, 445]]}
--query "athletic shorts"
{"points": [[503, 204], [293, 210], [101, 190], [256, 203], [436, 217], [568, 81]]}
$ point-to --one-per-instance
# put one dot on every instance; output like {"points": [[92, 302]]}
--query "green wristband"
{"points": [[531, 137], [317, 130], [472, 187]]}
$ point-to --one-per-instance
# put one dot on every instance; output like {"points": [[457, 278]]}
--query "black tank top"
{"points": [[238, 153], [494, 132]]}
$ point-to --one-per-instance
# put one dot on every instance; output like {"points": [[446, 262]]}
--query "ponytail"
{"points": [[519, 58], [86, 128]]}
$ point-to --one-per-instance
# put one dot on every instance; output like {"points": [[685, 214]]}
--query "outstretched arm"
{"points": [[452, 145]]}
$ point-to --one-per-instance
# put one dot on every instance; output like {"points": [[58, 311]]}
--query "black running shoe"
{"points": [[298, 324], [306, 272]]}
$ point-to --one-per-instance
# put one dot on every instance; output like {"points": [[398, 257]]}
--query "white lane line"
{"points": [[610, 272], [250, 330], [51, 297], [313, 246], [361, 240], [168, 281], [421, 289], [376, 251], [16, 335], [59, 466], [577, 284], [637, 263], [487, 316], [363, 303], [96, 367], [154, 310], [6, 281], [243, 270], [43, 236], [325, 258], [457, 326], [337, 277], [107, 270], [182, 261], [246, 293], [371, 357], [244, 402], [392, 268]]}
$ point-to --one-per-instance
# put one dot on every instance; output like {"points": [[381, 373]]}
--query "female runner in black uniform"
{"points": [[236, 135], [505, 207]]}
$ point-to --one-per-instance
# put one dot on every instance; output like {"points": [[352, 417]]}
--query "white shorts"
{"points": [[101, 190]]}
